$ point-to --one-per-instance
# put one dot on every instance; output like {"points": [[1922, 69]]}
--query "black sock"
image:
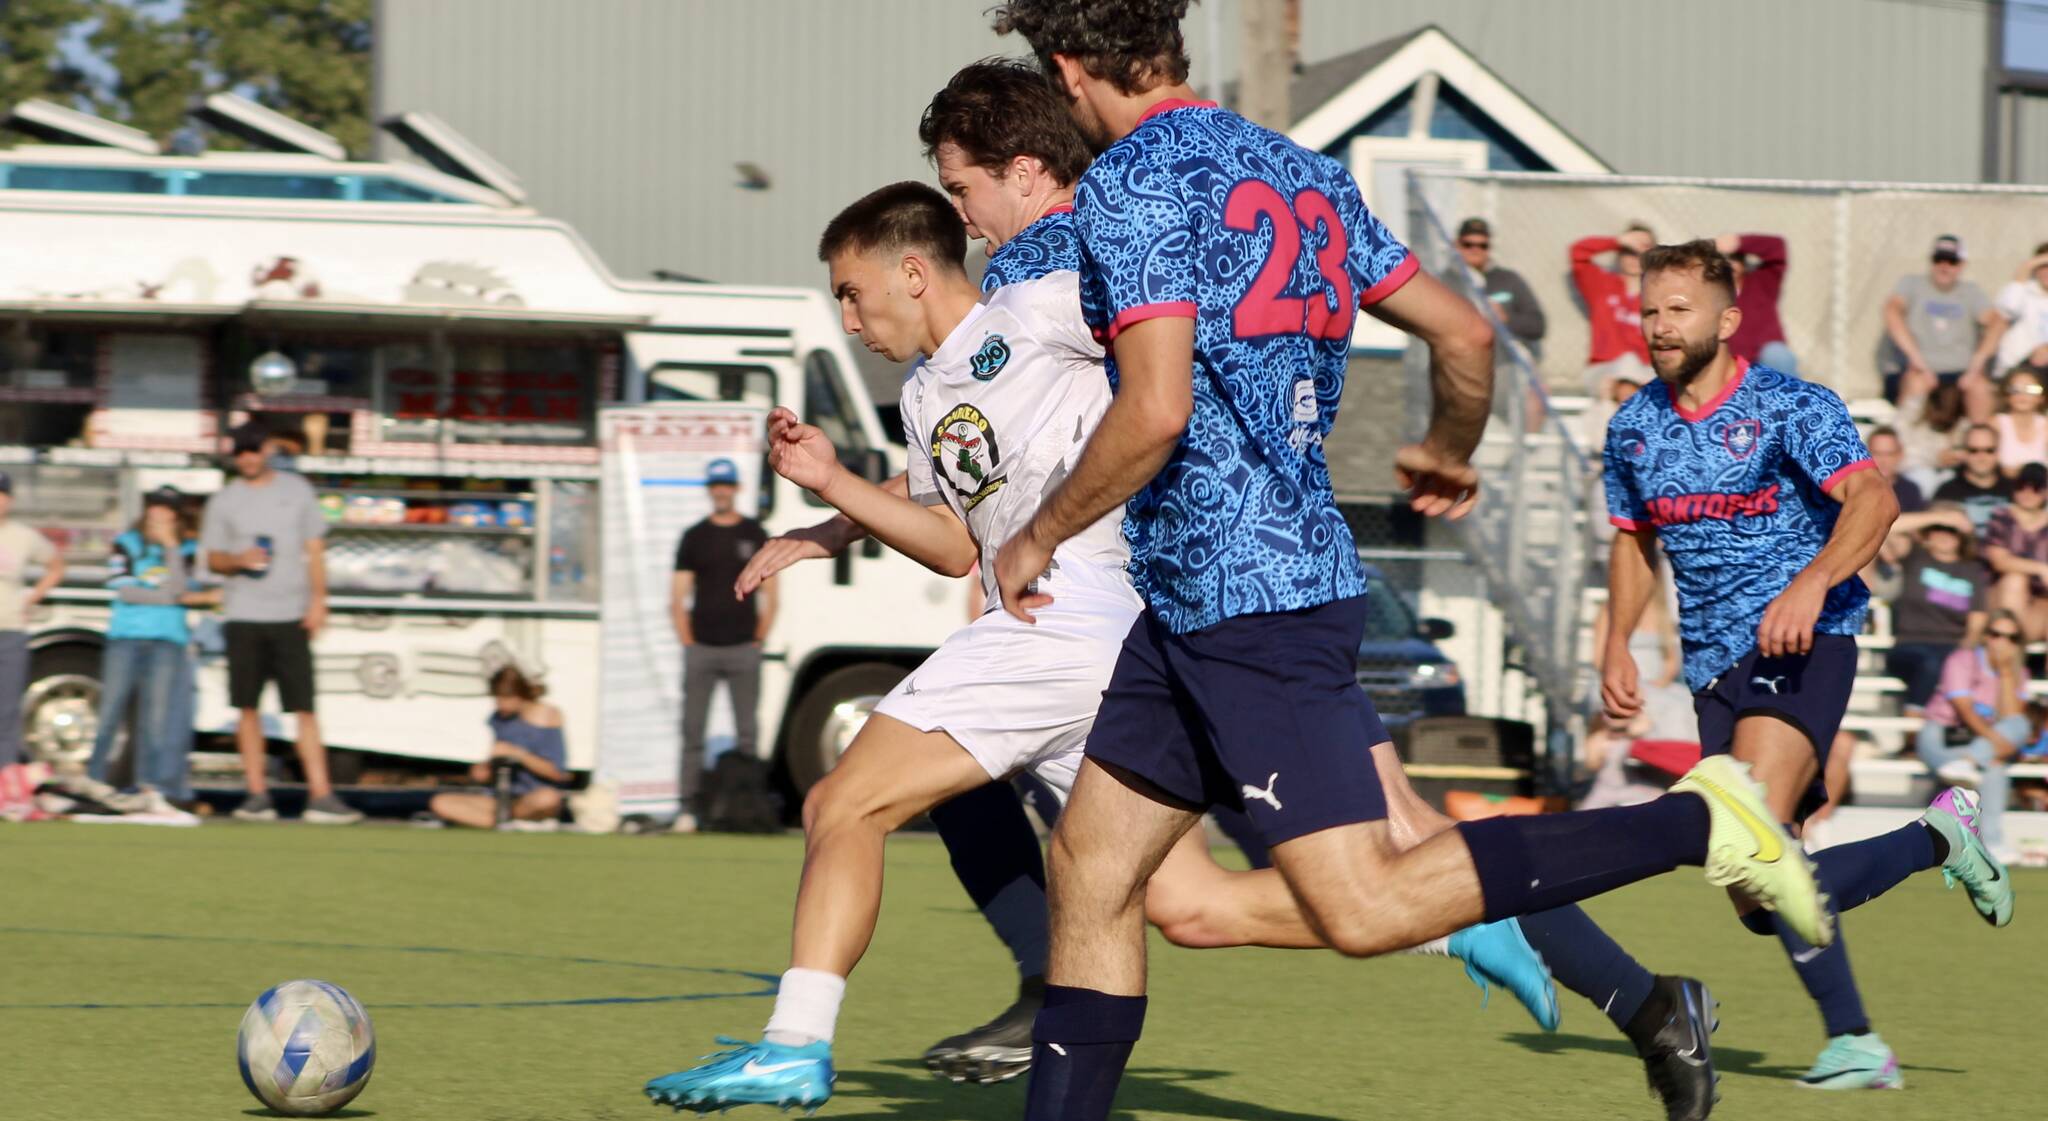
{"points": [[1082, 1039], [1940, 844], [1545, 861]]}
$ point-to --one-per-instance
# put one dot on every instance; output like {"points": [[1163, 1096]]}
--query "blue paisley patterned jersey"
{"points": [[1738, 495], [1048, 245], [1269, 248]]}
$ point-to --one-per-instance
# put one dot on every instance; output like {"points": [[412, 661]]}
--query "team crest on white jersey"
{"points": [[1741, 437], [964, 453], [990, 359]]}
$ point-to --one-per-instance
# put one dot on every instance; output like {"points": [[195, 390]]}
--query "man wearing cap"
{"points": [[1944, 328], [21, 549], [721, 632], [2023, 312], [1503, 288], [264, 533]]}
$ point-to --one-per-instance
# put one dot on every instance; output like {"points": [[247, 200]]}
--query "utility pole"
{"points": [[1268, 33]]}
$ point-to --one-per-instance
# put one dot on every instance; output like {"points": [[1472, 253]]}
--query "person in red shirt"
{"points": [[1611, 301], [1759, 261]]}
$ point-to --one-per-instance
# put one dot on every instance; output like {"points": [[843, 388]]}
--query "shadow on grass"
{"points": [[336, 1113], [1727, 1060], [922, 1097]]}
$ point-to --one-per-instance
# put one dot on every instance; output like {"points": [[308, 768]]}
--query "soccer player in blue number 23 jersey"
{"points": [[1757, 485], [1224, 265]]}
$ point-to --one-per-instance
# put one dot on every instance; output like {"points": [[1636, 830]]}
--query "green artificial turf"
{"points": [[128, 954]]}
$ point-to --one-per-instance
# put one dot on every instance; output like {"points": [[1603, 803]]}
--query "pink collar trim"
{"points": [[1720, 399], [1063, 208], [1170, 104]]}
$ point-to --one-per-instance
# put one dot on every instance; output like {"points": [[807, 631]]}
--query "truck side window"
{"points": [[827, 406]]}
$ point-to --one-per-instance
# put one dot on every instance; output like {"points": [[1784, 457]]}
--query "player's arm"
{"points": [[1631, 581], [828, 538], [1868, 509], [928, 534], [1437, 472]]}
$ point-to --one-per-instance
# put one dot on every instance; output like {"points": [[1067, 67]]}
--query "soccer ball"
{"points": [[306, 1048]]}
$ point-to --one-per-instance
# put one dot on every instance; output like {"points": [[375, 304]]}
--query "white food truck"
{"points": [[503, 436]]}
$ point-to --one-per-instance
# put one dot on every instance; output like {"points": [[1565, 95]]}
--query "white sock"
{"points": [[806, 1008], [1439, 947]]}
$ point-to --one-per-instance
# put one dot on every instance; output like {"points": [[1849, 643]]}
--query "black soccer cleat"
{"points": [[996, 1051], [1677, 1047]]}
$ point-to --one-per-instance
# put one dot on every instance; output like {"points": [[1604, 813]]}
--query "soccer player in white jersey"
{"points": [[1010, 392]]}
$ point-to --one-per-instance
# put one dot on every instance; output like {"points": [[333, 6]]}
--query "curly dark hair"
{"points": [[1699, 254], [906, 215], [1000, 108], [1134, 45]]}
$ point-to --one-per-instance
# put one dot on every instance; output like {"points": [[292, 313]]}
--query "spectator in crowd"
{"points": [[1938, 590], [1930, 429], [2022, 429], [1978, 485], [721, 632], [1945, 330], [2023, 307], [1504, 288], [264, 533], [1889, 453], [151, 572], [1612, 303], [1977, 721], [21, 548], [1759, 261], [2016, 548], [526, 733]]}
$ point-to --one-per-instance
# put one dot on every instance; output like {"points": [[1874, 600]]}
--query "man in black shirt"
{"points": [[721, 634], [1978, 484], [1503, 288]]}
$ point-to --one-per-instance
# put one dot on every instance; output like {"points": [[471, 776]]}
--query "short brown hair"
{"points": [[1698, 255], [998, 109], [900, 216], [1134, 45], [510, 682]]}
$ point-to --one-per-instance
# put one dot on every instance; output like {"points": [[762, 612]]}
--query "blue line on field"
{"points": [[768, 980]]}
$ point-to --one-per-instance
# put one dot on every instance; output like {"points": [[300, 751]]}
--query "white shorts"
{"points": [[1022, 696]]}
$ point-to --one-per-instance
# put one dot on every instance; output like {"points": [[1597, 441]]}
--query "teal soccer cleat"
{"points": [[1855, 1062], [750, 1074], [1954, 816], [1498, 952]]}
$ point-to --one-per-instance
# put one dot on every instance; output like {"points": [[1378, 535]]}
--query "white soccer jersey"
{"points": [[998, 417]]}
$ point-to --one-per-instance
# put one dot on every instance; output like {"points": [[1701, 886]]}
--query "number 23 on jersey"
{"points": [[1263, 310]]}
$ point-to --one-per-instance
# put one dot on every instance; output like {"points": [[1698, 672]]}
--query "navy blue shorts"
{"points": [[1260, 713], [1808, 691]]}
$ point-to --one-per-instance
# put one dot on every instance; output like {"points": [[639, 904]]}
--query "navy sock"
{"points": [[996, 856], [1585, 960], [1827, 978], [1855, 874], [1081, 1041], [1540, 862]]}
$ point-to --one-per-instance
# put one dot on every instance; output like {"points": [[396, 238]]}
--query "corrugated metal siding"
{"points": [[1780, 89]]}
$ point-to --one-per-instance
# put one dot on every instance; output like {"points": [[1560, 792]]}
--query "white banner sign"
{"points": [[654, 461]]}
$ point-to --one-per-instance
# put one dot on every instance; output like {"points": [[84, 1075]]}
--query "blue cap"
{"points": [[721, 472]]}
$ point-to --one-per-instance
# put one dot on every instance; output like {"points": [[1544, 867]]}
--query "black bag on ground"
{"points": [[737, 798]]}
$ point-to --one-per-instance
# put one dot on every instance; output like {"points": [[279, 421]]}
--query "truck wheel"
{"points": [[60, 711], [831, 712]]}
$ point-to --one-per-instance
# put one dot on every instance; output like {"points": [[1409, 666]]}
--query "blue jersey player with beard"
{"points": [[1758, 487]]}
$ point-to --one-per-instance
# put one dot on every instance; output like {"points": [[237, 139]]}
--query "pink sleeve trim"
{"points": [[1861, 465], [1390, 283], [1184, 309], [1629, 524]]}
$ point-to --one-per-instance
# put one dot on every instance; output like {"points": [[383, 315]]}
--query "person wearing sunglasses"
{"points": [[1978, 486], [2022, 428], [1503, 288], [2016, 548], [1977, 721]]}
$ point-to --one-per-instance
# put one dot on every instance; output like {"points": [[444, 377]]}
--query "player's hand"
{"points": [[1788, 622], [1618, 692], [1020, 561], [1438, 485], [801, 452], [779, 553]]}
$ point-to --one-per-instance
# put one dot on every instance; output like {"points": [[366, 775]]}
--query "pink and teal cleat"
{"points": [[1953, 814]]}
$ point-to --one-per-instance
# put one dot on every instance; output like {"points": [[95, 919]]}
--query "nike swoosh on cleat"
{"points": [[1768, 849], [755, 1069]]}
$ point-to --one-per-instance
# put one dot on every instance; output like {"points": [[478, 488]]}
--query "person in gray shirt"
{"points": [[264, 533], [1503, 288], [1944, 329]]}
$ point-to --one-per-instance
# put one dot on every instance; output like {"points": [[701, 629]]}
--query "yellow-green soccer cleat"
{"points": [[1749, 851]]}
